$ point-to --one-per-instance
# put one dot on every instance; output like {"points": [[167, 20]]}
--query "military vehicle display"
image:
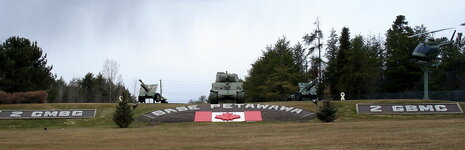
{"points": [[307, 91], [226, 87], [429, 49], [149, 92], [426, 53]]}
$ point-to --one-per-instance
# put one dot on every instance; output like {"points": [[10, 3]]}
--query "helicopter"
{"points": [[428, 50]]}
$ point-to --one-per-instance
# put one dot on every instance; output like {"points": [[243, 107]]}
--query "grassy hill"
{"points": [[347, 113], [349, 131]]}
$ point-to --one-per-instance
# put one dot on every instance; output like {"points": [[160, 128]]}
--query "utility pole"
{"points": [[161, 89], [319, 55]]}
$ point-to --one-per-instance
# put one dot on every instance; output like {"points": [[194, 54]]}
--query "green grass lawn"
{"points": [[346, 113], [349, 131]]}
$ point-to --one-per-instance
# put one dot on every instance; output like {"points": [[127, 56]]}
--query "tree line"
{"points": [[89, 89], [357, 66], [23, 67]]}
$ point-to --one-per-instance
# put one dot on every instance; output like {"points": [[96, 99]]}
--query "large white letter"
{"points": [[193, 107], [227, 106], [426, 108], [249, 106], [77, 113], [274, 107], [214, 105], [239, 105], [63, 113], [158, 113], [36, 114], [50, 113], [182, 109], [16, 114], [169, 110], [397, 108], [262, 106], [286, 108], [375, 108], [440, 107], [297, 111], [411, 108]]}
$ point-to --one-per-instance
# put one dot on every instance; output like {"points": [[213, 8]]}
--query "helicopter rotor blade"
{"points": [[440, 30], [453, 34], [415, 35], [420, 34]]}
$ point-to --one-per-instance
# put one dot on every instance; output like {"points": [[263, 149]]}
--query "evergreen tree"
{"points": [[278, 86], [375, 47], [123, 115], [312, 72], [101, 91], [340, 85], [332, 45], [23, 66], [300, 56], [87, 85], [330, 74], [449, 75], [401, 73], [327, 113], [360, 71], [274, 75]]}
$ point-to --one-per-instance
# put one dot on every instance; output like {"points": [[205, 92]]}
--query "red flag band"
{"points": [[208, 116]]}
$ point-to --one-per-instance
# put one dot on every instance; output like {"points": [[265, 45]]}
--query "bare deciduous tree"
{"points": [[110, 71], [200, 100]]}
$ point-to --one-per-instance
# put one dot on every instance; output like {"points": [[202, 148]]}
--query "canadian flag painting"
{"points": [[208, 116]]}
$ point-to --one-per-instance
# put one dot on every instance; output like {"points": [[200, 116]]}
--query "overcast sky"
{"points": [[184, 43]]}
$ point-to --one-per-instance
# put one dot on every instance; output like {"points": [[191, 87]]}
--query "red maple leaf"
{"points": [[227, 116]]}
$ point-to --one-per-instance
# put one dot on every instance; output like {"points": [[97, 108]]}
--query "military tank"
{"points": [[226, 87], [149, 91]]}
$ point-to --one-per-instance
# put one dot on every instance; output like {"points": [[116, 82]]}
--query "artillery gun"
{"points": [[307, 91], [149, 91], [226, 87]]}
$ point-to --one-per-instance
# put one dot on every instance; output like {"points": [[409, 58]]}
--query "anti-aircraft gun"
{"points": [[307, 91], [149, 91], [227, 87]]}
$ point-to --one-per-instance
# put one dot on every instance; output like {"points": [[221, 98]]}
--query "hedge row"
{"points": [[23, 97]]}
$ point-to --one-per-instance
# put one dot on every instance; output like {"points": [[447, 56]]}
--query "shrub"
{"points": [[123, 115], [327, 112], [23, 97], [4, 98]]}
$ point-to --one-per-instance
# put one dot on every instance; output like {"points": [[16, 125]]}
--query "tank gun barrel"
{"points": [[145, 87]]}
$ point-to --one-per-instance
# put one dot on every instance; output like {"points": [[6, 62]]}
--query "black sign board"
{"points": [[432, 108], [39, 114]]}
